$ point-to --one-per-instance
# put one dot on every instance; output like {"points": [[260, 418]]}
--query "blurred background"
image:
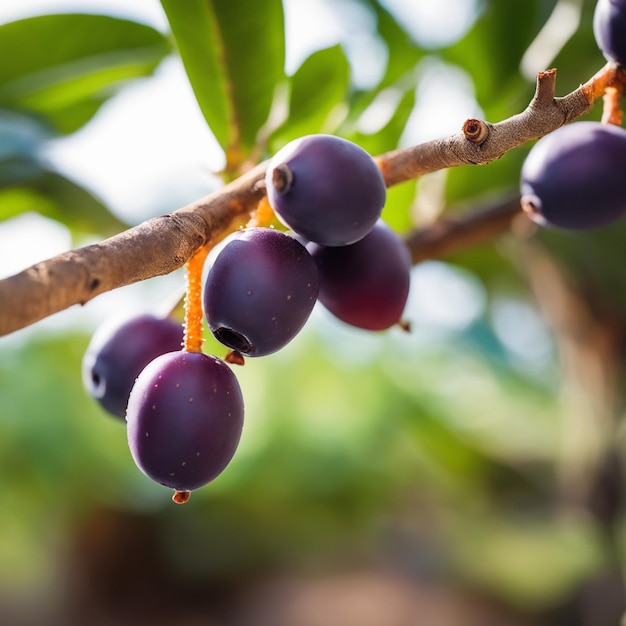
{"points": [[467, 473]]}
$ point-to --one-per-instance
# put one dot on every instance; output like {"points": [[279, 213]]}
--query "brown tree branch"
{"points": [[449, 235], [155, 247], [480, 142], [163, 244]]}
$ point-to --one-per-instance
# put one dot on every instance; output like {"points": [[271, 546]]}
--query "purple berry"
{"points": [[185, 416], [326, 189], [259, 291], [573, 177], [118, 352], [609, 29], [365, 284]]}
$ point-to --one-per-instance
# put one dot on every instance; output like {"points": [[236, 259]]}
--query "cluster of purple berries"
{"points": [[572, 178], [184, 410]]}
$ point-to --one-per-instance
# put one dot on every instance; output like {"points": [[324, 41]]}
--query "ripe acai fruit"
{"points": [[259, 291], [365, 284], [573, 178], [609, 29], [185, 417], [326, 189], [119, 350]]}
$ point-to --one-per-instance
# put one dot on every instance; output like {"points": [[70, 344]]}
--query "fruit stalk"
{"points": [[612, 97], [193, 337], [193, 301]]}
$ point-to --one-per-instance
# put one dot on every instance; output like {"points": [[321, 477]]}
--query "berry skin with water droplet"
{"points": [[185, 418]]}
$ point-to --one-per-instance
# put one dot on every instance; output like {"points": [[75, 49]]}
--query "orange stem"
{"points": [[194, 335], [611, 109], [262, 216]]}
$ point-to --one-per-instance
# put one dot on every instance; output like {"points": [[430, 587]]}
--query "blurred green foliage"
{"points": [[356, 445], [234, 55], [54, 88]]}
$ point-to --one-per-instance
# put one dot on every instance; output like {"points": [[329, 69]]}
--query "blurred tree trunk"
{"points": [[589, 329]]}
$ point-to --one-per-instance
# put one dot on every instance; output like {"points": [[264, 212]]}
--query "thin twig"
{"points": [[449, 235]]}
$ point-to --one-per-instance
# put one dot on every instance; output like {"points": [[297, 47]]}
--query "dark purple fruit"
{"points": [[118, 352], [326, 189], [609, 29], [259, 291], [185, 416], [574, 177], [365, 284]]}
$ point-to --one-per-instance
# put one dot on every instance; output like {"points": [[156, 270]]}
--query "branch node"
{"points": [[545, 89], [476, 131]]}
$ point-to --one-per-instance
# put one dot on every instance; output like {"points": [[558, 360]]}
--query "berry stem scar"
{"points": [[282, 178]]}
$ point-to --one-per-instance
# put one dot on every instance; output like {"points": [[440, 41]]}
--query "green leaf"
{"points": [[492, 50], [63, 67], [580, 58], [404, 55], [388, 137], [318, 86], [21, 135], [400, 198], [234, 56], [397, 209], [25, 186]]}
